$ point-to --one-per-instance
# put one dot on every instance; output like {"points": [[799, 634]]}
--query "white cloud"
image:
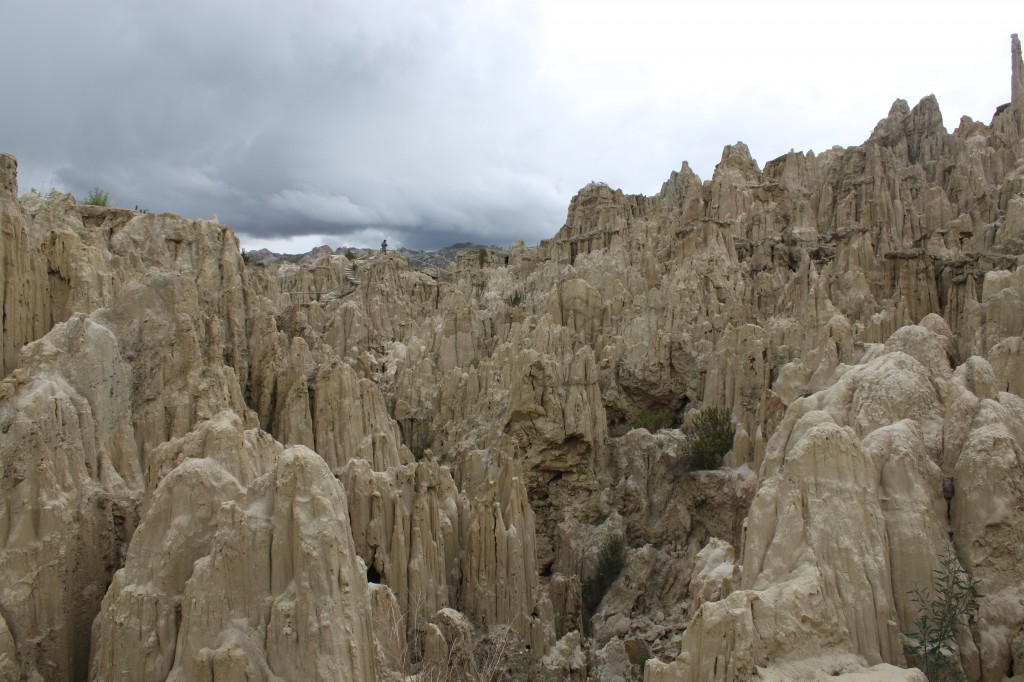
{"points": [[326, 207]]}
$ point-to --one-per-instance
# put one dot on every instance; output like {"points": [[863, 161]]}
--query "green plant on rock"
{"points": [[709, 438], [96, 197], [652, 420], [609, 565], [942, 608]]}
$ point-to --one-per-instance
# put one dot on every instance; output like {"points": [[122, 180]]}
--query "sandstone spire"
{"points": [[9, 172], [1017, 71]]}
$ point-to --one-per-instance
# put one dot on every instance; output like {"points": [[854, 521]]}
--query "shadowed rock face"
{"points": [[330, 468]]}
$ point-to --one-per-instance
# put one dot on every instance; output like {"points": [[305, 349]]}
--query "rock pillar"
{"points": [[9, 169], [1017, 71]]}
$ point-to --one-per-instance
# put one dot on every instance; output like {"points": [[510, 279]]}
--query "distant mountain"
{"points": [[416, 258]]}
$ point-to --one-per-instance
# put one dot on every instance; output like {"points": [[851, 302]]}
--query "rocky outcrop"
{"points": [[1017, 73], [282, 593], [336, 466], [72, 480], [47, 269], [851, 515], [194, 476], [407, 525]]}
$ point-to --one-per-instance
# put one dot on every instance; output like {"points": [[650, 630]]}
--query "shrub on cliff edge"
{"points": [[709, 438], [96, 197]]}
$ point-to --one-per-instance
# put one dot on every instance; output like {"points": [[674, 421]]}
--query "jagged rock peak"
{"points": [[681, 178], [924, 119], [738, 156]]}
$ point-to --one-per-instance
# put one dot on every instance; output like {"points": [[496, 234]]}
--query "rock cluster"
{"points": [[217, 467]]}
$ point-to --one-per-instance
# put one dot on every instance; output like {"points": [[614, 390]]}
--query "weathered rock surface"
{"points": [[851, 516], [206, 458], [281, 594], [135, 634]]}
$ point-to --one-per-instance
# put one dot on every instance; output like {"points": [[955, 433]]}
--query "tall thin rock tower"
{"points": [[1017, 74]]}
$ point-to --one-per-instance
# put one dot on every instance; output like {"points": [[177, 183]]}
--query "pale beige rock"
{"points": [[407, 528], [449, 648], [72, 483], [10, 670], [112, 385], [391, 644], [726, 643], [282, 574], [135, 634], [305, 395], [499, 569], [611, 662], [843, 668], [859, 311], [351, 420], [565, 660], [872, 462], [713, 573], [246, 454]]}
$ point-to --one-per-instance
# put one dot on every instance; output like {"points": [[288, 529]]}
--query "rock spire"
{"points": [[345, 467], [1017, 71]]}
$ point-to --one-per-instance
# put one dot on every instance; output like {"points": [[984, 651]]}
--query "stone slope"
{"points": [[344, 469]]}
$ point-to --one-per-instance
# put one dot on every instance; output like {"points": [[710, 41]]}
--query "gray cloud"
{"points": [[312, 118], [427, 123]]}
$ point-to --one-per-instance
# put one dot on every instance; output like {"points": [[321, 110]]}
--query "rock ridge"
{"points": [[353, 468]]}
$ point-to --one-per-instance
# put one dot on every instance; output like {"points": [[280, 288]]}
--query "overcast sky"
{"points": [[301, 122]]}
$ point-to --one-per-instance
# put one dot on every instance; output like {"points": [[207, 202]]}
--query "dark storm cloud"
{"points": [[285, 119]]}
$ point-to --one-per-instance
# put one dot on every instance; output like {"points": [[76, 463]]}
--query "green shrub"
{"points": [[709, 438], [953, 596], [609, 565], [96, 197], [482, 256], [350, 255], [652, 420]]}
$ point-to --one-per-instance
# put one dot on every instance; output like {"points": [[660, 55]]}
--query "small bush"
{"points": [[482, 256], [953, 597], [96, 197], [652, 420], [609, 565], [350, 255], [709, 438]]}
